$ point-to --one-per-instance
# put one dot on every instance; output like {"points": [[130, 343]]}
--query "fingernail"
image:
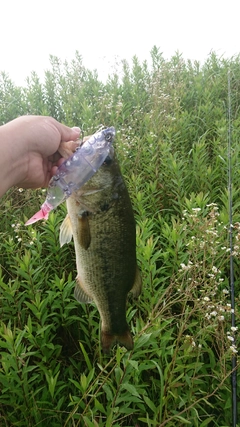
{"points": [[76, 129]]}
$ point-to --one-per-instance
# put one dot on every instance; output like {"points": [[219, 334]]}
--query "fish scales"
{"points": [[101, 220]]}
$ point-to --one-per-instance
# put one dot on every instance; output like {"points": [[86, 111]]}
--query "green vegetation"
{"points": [[171, 121]]}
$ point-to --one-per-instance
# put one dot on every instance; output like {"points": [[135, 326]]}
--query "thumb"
{"points": [[68, 134]]}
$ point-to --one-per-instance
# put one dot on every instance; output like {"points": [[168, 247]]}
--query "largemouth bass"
{"points": [[100, 219], [75, 171]]}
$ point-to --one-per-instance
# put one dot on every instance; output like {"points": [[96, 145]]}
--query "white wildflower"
{"points": [[233, 348], [214, 233], [212, 204], [213, 313], [186, 267]]}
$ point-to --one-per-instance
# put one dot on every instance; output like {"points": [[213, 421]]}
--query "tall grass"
{"points": [[171, 126]]}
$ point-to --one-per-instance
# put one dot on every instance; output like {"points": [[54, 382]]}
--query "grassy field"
{"points": [[171, 118]]}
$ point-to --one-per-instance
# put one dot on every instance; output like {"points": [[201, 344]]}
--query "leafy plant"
{"points": [[172, 127]]}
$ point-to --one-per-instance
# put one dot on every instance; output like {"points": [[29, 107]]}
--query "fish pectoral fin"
{"points": [[80, 294], [65, 231], [137, 284], [83, 231], [88, 190]]}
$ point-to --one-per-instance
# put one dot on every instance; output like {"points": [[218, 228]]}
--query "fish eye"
{"points": [[108, 136]]}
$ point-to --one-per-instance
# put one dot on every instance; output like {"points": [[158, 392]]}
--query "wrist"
{"points": [[13, 160]]}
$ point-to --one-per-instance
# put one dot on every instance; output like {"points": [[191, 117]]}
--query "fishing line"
{"points": [[234, 359]]}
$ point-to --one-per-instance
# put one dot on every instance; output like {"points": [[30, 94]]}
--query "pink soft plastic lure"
{"points": [[76, 171]]}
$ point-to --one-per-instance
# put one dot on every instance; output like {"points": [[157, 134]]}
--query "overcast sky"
{"points": [[102, 30]]}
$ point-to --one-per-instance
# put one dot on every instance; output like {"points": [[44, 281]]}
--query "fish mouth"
{"points": [[108, 133]]}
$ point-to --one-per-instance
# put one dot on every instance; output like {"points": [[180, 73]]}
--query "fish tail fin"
{"points": [[42, 214], [108, 340], [39, 215]]}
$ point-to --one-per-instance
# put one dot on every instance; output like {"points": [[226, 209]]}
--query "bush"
{"points": [[172, 127]]}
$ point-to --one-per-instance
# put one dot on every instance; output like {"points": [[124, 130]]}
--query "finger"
{"points": [[66, 149], [67, 133], [53, 170]]}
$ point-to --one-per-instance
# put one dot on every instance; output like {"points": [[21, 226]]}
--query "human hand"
{"points": [[30, 150]]}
